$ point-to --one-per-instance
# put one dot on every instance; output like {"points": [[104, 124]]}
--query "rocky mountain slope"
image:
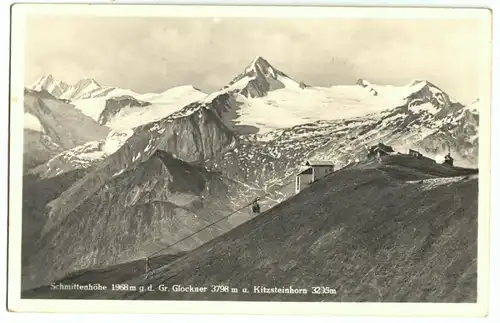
{"points": [[399, 231], [100, 218], [193, 134], [52, 126]]}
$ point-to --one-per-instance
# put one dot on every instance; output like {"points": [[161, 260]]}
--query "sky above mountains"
{"points": [[153, 54]]}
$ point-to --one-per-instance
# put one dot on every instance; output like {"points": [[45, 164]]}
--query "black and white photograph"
{"points": [[249, 155]]}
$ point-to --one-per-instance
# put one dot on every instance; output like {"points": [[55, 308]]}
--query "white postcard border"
{"points": [[15, 303]]}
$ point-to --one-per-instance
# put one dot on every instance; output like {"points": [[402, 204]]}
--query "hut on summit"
{"points": [[415, 153], [379, 150], [313, 170]]}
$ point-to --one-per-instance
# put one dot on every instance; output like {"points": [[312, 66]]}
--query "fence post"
{"points": [[147, 266]]}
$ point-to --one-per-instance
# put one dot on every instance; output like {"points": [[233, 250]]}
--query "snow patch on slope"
{"points": [[426, 107], [184, 92], [91, 107], [288, 83], [116, 139], [238, 85], [162, 105]]}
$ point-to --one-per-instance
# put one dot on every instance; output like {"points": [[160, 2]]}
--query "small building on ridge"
{"points": [[313, 170]]}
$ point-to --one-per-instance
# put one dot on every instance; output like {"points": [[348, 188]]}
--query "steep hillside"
{"points": [[52, 126], [401, 231], [37, 193], [100, 218]]}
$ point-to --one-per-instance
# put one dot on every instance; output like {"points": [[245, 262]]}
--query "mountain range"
{"points": [[123, 173]]}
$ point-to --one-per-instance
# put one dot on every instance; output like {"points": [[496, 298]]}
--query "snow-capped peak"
{"points": [[87, 81], [43, 80], [63, 90], [259, 58], [259, 63], [419, 85], [81, 89], [421, 91], [260, 77], [419, 82], [50, 84]]}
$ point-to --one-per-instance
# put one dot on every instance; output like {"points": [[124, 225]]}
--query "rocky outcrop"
{"points": [[367, 85], [194, 134]]}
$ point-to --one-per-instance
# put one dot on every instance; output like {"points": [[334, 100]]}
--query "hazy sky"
{"points": [[153, 54]]}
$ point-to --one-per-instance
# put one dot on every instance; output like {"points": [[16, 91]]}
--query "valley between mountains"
{"points": [[112, 176]]}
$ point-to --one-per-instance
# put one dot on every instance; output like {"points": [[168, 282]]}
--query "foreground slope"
{"points": [[401, 231]]}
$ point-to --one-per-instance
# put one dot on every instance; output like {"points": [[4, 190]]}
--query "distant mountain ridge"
{"points": [[419, 110], [63, 90]]}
